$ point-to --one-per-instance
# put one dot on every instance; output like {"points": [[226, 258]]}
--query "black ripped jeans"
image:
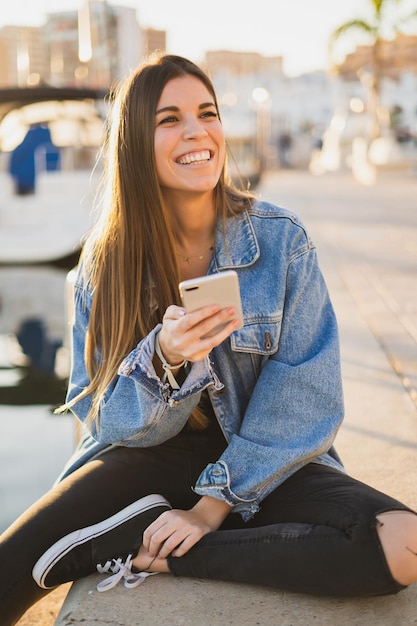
{"points": [[316, 533]]}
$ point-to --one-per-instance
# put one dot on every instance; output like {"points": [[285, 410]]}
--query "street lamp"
{"points": [[85, 50], [262, 100]]}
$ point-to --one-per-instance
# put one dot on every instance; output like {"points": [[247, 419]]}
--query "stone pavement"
{"points": [[367, 246]]}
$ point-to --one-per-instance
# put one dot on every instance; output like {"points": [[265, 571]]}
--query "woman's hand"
{"points": [[181, 336], [176, 531]]}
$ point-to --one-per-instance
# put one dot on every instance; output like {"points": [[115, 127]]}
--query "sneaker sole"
{"points": [[59, 549]]}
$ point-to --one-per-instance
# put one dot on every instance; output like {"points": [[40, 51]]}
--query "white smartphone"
{"points": [[221, 289]]}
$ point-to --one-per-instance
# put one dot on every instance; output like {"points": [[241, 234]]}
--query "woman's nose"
{"points": [[194, 129]]}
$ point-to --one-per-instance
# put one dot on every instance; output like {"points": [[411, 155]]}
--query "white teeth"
{"points": [[195, 157]]}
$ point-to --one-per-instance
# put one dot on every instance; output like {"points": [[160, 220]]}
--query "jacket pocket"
{"points": [[260, 337]]}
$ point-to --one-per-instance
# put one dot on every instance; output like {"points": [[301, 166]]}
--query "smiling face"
{"points": [[189, 140]]}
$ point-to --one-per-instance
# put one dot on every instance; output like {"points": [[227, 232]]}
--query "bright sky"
{"points": [[296, 29]]}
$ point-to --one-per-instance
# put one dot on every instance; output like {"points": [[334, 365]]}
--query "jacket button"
{"points": [[268, 342]]}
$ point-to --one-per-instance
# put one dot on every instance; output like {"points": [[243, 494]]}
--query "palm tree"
{"points": [[380, 23]]}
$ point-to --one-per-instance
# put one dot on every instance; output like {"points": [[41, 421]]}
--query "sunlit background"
{"points": [[297, 30]]}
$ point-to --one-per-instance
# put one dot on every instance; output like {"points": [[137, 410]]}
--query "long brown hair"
{"points": [[130, 266]]}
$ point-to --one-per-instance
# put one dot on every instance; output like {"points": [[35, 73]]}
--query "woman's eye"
{"points": [[168, 120], [209, 114]]}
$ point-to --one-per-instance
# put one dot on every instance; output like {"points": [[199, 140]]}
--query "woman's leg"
{"points": [[317, 533], [397, 532], [91, 494]]}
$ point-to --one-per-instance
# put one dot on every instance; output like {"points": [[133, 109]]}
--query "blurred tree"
{"points": [[383, 22]]}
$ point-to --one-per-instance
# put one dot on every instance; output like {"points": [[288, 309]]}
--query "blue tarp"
{"points": [[36, 152]]}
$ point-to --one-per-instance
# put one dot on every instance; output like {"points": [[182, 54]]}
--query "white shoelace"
{"points": [[121, 570]]}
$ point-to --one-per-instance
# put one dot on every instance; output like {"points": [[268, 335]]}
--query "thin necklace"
{"points": [[200, 256]]}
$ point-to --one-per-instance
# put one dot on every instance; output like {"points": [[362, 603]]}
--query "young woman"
{"points": [[234, 430]]}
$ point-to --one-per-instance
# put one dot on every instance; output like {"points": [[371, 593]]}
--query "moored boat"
{"points": [[49, 168]]}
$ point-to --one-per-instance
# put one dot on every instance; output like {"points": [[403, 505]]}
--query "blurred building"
{"points": [[275, 119], [396, 56], [263, 109], [243, 63], [398, 90], [61, 30], [153, 40], [95, 46], [23, 55]]}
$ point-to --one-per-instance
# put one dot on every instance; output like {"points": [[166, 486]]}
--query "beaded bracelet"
{"points": [[167, 367]]}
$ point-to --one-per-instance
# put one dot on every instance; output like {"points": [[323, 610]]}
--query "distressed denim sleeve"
{"points": [[138, 409]]}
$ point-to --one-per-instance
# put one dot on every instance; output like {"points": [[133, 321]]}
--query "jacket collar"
{"points": [[236, 246]]}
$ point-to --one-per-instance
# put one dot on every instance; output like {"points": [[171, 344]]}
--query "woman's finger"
{"points": [[174, 312]]}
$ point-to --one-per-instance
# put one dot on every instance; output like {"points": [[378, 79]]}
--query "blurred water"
{"points": [[34, 360]]}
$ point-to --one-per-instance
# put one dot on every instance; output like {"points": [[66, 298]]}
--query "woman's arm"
{"points": [[296, 406], [139, 408]]}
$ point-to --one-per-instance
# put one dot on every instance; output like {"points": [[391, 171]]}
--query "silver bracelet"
{"points": [[167, 367]]}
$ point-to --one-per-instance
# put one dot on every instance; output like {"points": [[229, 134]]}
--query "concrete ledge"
{"points": [[167, 601]]}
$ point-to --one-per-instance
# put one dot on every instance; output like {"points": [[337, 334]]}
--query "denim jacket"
{"points": [[275, 384]]}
